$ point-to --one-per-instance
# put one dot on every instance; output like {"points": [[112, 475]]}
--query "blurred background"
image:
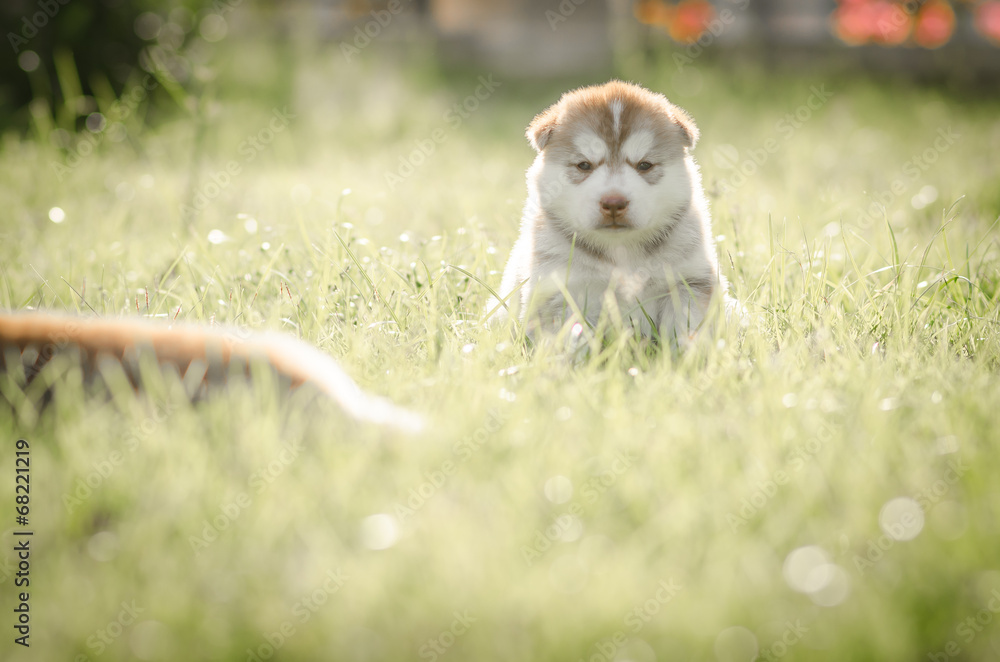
{"points": [[360, 167], [71, 56]]}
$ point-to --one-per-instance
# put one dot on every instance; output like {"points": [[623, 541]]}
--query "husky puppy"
{"points": [[616, 218]]}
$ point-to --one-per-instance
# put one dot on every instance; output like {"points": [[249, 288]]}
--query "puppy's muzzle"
{"points": [[613, 207]]}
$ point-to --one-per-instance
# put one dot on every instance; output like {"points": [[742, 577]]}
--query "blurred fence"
{"points": [[545, 37], [75, 49]]}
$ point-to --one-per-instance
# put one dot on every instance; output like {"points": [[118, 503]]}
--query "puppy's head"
{"points": [[613, 162]]}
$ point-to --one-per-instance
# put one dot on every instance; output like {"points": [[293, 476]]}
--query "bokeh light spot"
{"points": [[806, 569], [28, 61], [836, 586], [379, 531], [559, 489], [901, 518], [988, 21], [935, 24], [213, 28]]}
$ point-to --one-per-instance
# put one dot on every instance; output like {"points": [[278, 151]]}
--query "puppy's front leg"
{"points": [[557, 311], [682, 314]]}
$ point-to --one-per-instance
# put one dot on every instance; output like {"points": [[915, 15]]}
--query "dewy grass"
{"points": [[816, 485]]}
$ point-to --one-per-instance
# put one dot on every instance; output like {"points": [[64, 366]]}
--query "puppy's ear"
{"points": [[688, 129], [541, 128]]}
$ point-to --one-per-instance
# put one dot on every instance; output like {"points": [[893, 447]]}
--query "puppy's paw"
{"points": [[495, 314], [735, 311]]}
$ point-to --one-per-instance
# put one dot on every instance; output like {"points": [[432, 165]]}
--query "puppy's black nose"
{"points": [[613, 204]]}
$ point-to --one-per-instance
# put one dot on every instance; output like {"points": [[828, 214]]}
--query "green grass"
{"points": [[869, 370]]}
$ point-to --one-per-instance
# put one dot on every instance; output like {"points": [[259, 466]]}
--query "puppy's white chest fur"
{"points": [[631, 286], [616, 222]]}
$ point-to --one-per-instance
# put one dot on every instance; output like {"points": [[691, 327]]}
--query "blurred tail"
{"points": [[28, 341]]}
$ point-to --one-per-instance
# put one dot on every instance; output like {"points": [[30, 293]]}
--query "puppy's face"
{"points": [[612, 165]]}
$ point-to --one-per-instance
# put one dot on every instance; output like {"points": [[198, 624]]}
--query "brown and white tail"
{"points": [[205, 354]]}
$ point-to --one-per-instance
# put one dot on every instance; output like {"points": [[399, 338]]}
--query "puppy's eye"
{"points": [[644, 166], [584, 165]]}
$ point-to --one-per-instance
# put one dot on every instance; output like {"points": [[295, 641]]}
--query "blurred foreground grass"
{"points": [[821, 486]]}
